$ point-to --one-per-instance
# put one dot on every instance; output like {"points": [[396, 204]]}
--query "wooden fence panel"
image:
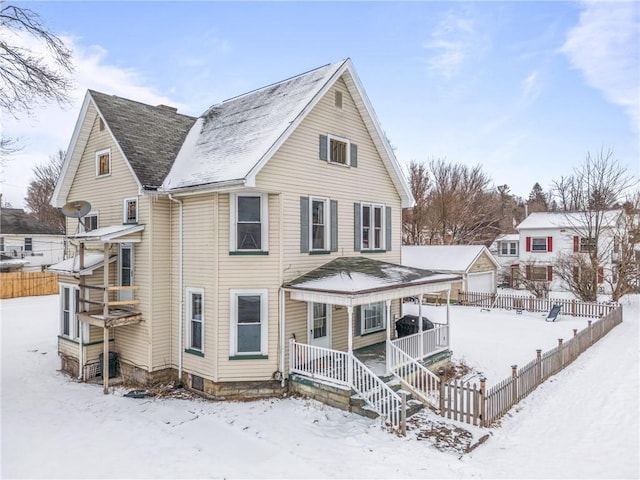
{"points": [[461, 402], [528, 378], [27, 284]]}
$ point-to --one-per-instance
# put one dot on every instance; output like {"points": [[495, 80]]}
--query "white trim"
{"points": [[348, 149], [126, 294], [99, 153], [125, 213], [327, 224], [75, 327], [264, 221], [263, 293], [191, 291], [383, 326]]}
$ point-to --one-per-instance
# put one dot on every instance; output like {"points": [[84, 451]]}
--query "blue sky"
{"points": [[525, 89]]}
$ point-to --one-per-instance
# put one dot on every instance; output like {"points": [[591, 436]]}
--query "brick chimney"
{"points": [[167, 107]]}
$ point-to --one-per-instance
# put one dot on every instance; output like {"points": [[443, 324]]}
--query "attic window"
{"points": [[103, 163], [338, 99]]}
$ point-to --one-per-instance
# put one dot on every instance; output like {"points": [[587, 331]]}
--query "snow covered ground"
{"points": [[582, 423]]}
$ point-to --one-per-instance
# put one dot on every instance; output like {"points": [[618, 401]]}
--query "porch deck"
{"points": [[374, 357]]}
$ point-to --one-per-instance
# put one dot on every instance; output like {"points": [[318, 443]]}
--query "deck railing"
{"points": [[424, 344], [344, 369], [413, 374]]}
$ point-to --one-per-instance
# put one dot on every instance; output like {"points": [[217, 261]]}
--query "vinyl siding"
{"points": [[482, 264]]}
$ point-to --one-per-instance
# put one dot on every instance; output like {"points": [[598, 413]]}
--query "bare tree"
{"points": [[535, 277], [40, 190], [625, 275], [27, 76], [415, 219], [596, 189]]}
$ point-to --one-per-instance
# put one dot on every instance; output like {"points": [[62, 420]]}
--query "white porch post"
{"points": [[105, 312], [448, 301], [350, 344], [420, 325], [387, 345]]}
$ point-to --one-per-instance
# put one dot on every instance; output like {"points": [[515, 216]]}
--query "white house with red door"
{"points": [[544, 236]]}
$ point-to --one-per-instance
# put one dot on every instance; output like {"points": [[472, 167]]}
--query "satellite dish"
{"points": [[76, 209]]}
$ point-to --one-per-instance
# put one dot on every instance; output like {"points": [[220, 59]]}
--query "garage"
{"points": [[480, 282]]}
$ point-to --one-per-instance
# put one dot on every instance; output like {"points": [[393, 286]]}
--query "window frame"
{"points": [[28, 244], [540, 250], [509, 248], [234, 295], [311, 319], [191, 291], [586, 246], [125, 210], [75, 326], [542, 277], [87, 217], [264, 223], [99, 153], [383, 320], [372, 208], [326, 244], [347, 147], [1, 244]]}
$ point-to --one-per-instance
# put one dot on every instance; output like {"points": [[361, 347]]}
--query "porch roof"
{"points": [[71, 265], [352, 281], [112, 233]]}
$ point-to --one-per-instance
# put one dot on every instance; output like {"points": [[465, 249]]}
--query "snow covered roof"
{"points": [[108, 233], [443, 258], [565, 219], [508, 237], [231, 138], [72, 265], [361, 275]]}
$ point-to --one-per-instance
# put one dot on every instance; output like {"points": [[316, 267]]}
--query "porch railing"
{"points": [[345, 369], [421, 345], [413, 374]]}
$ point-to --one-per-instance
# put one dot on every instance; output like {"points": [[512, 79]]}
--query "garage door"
{"points": [[480, 282]]}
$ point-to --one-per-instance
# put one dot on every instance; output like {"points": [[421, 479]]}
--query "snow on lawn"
{"points": [[582, 423], [490, 342]]}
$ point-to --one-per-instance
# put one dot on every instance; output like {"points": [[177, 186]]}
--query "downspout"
{"points": [[282, 336], [180, 295]]}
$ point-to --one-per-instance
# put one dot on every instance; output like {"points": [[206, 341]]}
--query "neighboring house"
{"points": [[233, 249], [474, 263], [506, 250], [543, 236], [23, 237]]}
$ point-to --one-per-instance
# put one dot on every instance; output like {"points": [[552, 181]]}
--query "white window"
{"points": [[195, 319], [509, 248], [130, 213], [339, 150], [28, 244], [248, 322], [373, 228], [319, 220], [69, 308], [372, 317], [103, 162], [249, 229], [89, 222]]}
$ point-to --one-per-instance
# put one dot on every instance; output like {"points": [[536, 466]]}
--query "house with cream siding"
{"points": [[245, 251]]}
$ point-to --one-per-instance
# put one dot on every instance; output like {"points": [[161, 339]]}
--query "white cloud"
{"points": [[50, 127], [453, 42], [605, 47], [531, 87]]}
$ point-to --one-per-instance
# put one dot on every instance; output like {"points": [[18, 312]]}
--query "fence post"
{"points": [[514, 383], [441, 377], [573, 308], [539, 365], [561, 353], [590, 332], [483, 402], [403, 413]]}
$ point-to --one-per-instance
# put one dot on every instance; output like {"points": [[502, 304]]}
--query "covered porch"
{"points": [[366, 289]]}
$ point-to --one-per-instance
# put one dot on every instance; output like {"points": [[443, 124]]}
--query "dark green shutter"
{"points": [[387, 226], [334, 225], [304, 224], [354, 155], [323, 147], [357, 226], [357, 320]]}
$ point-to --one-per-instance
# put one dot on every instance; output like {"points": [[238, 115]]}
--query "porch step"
{"points": [[358, 405]]}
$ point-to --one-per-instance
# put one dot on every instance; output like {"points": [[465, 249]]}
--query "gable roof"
{"points": [[566, 219], [148, 137], [15, 221], [233, 140], [444, 258]]}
